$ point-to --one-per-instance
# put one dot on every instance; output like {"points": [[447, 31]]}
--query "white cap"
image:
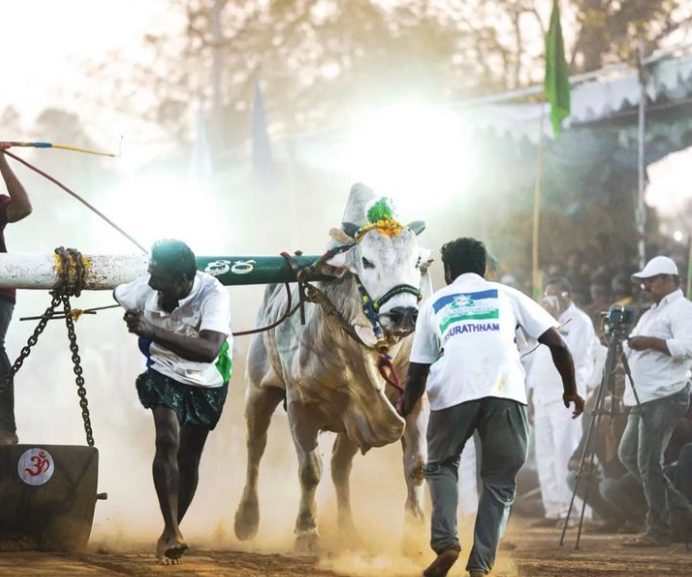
{"points": [[657, 265]]}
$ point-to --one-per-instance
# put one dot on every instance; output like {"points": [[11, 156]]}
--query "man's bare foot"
{"points": [[169, 550]]}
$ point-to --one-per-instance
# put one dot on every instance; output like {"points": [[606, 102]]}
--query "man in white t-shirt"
{"points": [[182, 318], [464, 350]]}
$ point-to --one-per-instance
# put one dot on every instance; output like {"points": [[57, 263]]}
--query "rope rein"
{"points": [[370, 308], [384, 360], [287, 313]]}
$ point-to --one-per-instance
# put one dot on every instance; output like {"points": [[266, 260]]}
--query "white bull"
{"points": [[329, 380]]}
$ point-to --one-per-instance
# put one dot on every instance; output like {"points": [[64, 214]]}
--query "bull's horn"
{"points": [[350, 229], [417, 226], [340, 236], [358, 199]]}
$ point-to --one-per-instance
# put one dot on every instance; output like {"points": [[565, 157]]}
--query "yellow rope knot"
{"points": [[76, 313], [71, 269]]}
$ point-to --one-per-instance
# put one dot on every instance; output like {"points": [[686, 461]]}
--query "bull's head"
{"points": [[389, 265]]}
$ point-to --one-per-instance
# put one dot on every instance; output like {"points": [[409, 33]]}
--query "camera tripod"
{"points": [[586, 463]]}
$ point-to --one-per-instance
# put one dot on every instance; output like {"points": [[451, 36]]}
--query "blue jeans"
{"points": [[646, 436], [681, 472], [7, 423], [503, 433]]}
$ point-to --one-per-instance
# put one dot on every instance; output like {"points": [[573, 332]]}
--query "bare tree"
{"points": [[317, 60]]}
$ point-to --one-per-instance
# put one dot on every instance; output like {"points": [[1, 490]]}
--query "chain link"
{"points": [[79, 379]]}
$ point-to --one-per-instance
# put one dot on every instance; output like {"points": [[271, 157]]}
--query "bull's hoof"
{"points": [[414, 545], [415, 542], [307, 542], [348, 535], [414, 514], [247, 518]]}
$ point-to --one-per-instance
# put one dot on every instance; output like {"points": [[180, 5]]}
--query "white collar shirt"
{"points": [[655, 374]]}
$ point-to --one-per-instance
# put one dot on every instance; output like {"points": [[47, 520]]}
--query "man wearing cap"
{"points": [[659, 352]]}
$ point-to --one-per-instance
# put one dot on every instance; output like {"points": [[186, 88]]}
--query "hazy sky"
{"points": [[44, 42]]}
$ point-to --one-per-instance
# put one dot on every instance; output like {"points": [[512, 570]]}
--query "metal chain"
{"points": [[32, 340], [79, 379]]}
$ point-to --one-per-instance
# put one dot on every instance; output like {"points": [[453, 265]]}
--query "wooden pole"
{"points": [[640, 214], [105, 272], [536, 281], [689, 269]]}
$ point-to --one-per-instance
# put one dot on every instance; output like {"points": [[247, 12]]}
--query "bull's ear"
{"points": [[338, 265], [417, 226], [426, 259], [349, 228], [339, 260]]}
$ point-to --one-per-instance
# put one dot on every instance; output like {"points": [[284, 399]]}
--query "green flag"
{"points": [[556, 71]]}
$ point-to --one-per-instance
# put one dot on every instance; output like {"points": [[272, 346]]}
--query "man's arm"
{"points": [[562, 359], [19, 206], [679, 345], [203, 349], [641, 343], [414, 388]]}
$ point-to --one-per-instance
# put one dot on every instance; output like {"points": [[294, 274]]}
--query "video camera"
{"points": [[618, 321]]}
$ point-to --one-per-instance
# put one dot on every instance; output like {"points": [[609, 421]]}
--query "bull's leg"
{"points": [[342, 460], [261, 403], [415, 455], [304, 432]]}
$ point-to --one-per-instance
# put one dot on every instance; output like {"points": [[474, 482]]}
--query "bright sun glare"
{"points": [[140, 202], [414, 152]]}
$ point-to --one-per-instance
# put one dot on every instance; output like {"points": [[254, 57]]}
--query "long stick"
{"points": [[689, 271], [640, 213], [79, 198], [14, 143]]}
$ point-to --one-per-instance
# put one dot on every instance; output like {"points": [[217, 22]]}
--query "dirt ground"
{"points": [[526, 552]]}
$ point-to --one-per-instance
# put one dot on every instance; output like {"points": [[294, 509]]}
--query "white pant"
{"points": [[557, 435]]}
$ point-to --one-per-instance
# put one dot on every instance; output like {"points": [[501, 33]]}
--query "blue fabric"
{"points": [[681, 472], [144, 344], [446, 300]]}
